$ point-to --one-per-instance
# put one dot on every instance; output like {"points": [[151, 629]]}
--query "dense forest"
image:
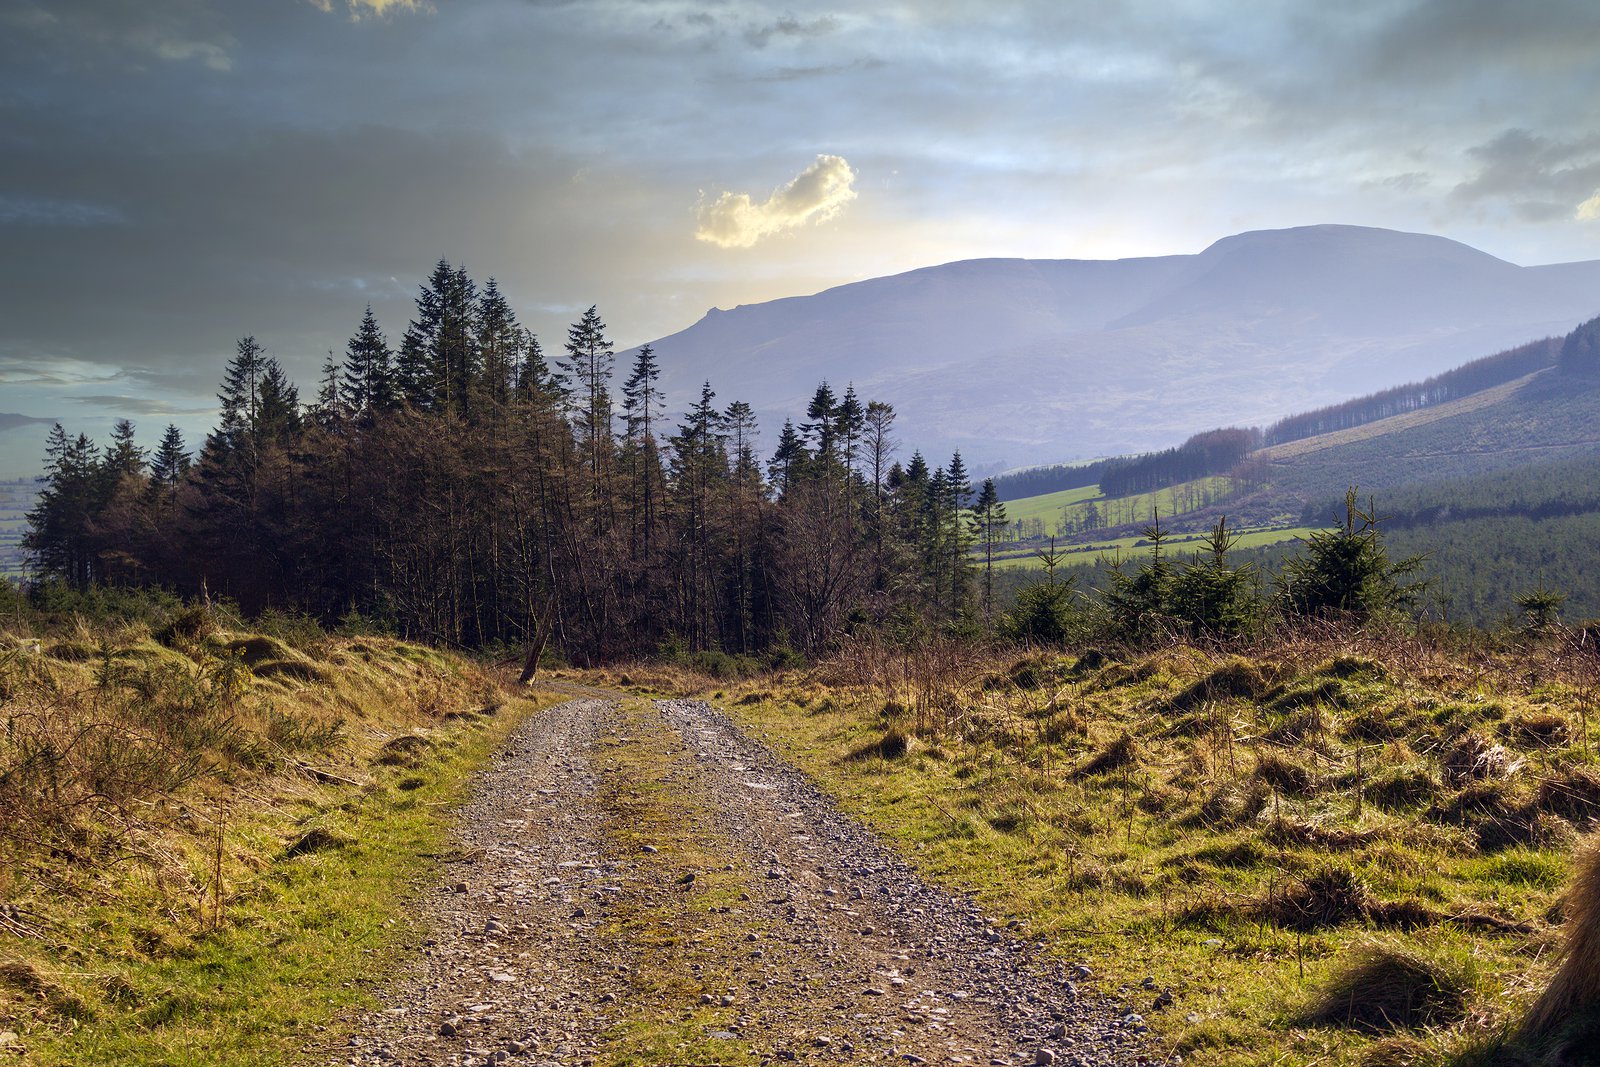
{"points": [[464, 487]]}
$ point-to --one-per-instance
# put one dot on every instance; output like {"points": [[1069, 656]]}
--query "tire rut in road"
{"points": [[912, 968]]}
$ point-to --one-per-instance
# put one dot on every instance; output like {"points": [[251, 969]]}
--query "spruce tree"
{"points": [[369, 385], [589, 366], [823, 428], [788, 459], [498, 342]]}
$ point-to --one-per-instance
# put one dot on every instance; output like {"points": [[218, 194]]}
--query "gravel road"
{"points": [[640, 882]]}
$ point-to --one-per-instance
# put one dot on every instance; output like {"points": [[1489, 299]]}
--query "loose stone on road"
{"points": [[640, 882]]}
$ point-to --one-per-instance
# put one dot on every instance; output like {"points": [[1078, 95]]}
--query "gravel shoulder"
{"points": [[640, 882]]}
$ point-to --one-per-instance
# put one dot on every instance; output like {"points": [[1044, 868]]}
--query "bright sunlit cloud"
{"points": [[817, 194], [1589, 210], [376, 7]]}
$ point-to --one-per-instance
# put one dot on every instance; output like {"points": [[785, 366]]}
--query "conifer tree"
{"points": [[787, 459], [498, 343], [369, 385], [330, 411], [987, 523], [642, 412], [58, 538], [588, 366], [823, 428]]}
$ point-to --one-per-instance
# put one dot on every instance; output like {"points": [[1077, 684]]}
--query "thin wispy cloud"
{"points": [[816, 194]]}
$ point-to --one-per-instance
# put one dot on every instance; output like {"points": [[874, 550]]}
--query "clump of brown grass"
{"points": [[1476, 758], [1236, 680], [1574, 992], [894, 744], [1284, 774], [1120, 753], [1384, 987]]}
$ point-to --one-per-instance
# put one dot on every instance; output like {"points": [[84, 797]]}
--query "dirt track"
{"points": [[638, 882]]}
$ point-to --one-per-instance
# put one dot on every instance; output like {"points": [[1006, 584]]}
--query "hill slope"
{"points": [[1017, 361]]}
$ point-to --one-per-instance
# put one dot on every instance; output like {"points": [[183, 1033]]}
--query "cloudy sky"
{"points": [[175, 174]]}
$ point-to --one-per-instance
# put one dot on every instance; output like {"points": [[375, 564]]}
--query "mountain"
{"points": [[1023, 361]]}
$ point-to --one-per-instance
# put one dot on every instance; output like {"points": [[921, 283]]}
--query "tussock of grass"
{"points": [[1385, 987]]}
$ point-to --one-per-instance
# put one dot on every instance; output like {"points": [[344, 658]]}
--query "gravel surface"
{"points": [[639, 882]]}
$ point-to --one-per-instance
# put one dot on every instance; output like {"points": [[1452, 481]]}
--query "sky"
{"points": [[177, 174]]}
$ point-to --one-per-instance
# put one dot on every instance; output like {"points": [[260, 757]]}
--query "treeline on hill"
{"points": [[1469, 378], [1037, 481], [462, 489], [1204, 454]]}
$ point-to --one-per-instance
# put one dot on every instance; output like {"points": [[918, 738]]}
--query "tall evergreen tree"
{"points": [[787, 460], [986, 523], [823, 428], [498, 342], [589, 366], [58, 538], [369, 384]]}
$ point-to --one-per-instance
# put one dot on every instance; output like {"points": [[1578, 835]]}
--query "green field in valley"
{"points": [[1132, 547], [1075, 510]]}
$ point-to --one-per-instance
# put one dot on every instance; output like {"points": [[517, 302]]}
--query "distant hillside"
{"points": [[16, 499], [1022, 361]]}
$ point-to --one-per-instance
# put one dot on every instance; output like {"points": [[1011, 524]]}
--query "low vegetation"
{"points": [[207, 831], [1348, 845]]}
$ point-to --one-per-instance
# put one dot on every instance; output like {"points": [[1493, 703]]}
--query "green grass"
{"points": [[145, 958], [1070, 506], [1248, 844], [1130, 547], [1047, 507]]}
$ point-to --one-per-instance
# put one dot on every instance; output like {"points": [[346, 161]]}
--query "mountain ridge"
{"points": [[1020, 361]]}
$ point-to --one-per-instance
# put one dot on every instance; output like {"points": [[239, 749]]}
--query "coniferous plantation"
{"points": [[464, 487]]}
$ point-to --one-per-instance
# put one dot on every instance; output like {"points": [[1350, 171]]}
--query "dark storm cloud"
{"points": [[86, 34], [1539, 178]]}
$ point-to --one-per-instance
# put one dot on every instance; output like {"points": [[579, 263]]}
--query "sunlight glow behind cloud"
{"points": [[816, 194], [1589, 210], [376, 7]]}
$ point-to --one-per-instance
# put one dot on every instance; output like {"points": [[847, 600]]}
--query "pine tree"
{"points": [[59, 537], [1215, 598], [498, 342], [642, 412], [849, 423], [279, 420], [588, 366], [168, 467], [238, 431], [1347, 571], [957, 490], [330, 411], [987, 523], [369, 384], [823, 428], [535, 382], [788, 459]]}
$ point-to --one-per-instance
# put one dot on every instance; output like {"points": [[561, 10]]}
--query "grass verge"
{"points": [[230, 913]]}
